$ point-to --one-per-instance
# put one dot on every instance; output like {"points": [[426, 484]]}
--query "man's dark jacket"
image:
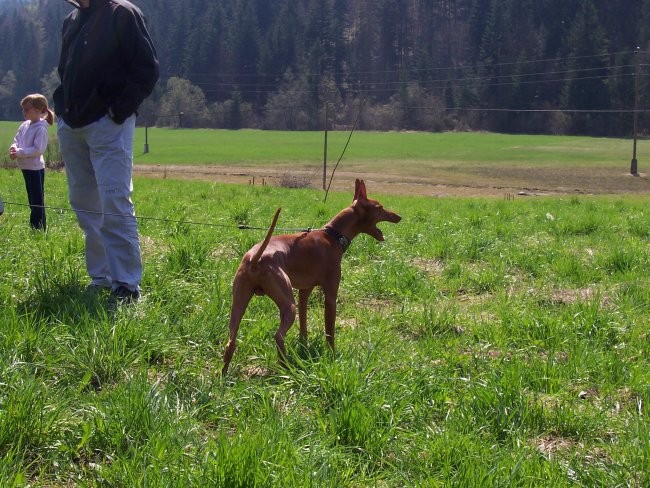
{"points": [[108, 63]]}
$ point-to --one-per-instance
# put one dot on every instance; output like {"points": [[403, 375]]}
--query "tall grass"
{"points": [[484, 343]]}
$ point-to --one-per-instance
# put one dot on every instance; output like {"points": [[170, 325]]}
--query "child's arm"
{"points": [[37, 149], [14, 147]]}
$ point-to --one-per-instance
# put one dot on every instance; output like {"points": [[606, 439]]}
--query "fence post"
{"points": [[633, 165], [146, 139], [325, 149]]}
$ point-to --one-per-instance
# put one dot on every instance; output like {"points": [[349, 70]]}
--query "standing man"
{"points": [[108, 66]]}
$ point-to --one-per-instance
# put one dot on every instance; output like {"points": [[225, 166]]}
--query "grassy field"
{"points": [[208, 146], [170, 146], [485, 343], [437, 164], [255, 147]]}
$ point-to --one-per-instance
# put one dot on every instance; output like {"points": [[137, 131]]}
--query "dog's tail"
{"points": [[265, 243]]}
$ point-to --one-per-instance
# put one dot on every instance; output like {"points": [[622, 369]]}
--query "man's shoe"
{"points": [[122, 294], [94, 288]]}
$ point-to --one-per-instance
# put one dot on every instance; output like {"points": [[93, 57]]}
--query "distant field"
{"points": [[169, 146], [207, 146], [399, 162]]}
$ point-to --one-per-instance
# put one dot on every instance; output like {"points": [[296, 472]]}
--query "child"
{"points": [[28, 148]]}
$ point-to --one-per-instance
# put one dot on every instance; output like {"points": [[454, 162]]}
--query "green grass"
{"points": [[379, 149], [173, 146], [484, 343], [428, 163]]}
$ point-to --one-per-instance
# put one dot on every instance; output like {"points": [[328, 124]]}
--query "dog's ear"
{"points": [[359, 190]]}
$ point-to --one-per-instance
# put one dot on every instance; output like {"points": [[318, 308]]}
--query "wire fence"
{"points": [[60, 209]]}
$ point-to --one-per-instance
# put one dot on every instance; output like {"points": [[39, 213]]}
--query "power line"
{"points": [[414, 70], [477, 81], [236, 84], [451, 109], [262, 87]]}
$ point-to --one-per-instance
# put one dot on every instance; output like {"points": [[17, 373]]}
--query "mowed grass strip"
{"points": [[257, 147], [484, 343], [204, 146]]}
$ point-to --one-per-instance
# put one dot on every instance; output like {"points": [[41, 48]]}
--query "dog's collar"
{"points": [[340, 238]]}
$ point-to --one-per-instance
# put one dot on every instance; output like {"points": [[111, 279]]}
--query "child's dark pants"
{"points": [[35, 185]]}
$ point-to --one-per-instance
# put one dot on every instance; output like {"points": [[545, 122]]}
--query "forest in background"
{"points": [[514, 66]]}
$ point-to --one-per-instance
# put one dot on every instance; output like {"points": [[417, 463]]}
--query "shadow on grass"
{"points": [[303, 356], [308, 352], [67, 303]]}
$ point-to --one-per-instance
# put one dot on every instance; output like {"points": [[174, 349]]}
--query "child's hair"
{"points": [[39, 102]]}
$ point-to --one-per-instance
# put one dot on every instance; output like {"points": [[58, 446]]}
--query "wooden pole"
{"points": [[633, 165], [325, 148]]}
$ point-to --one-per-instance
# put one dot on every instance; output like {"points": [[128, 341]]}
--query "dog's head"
{"points": [[370, 212]]}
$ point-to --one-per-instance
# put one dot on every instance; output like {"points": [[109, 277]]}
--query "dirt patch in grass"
{"points": [[571, 296], [430, 266], [376, 304], [549, 446], [463, 181], [253, 371]]}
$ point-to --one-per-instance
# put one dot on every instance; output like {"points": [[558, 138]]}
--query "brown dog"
{"points": [[302, 261]]}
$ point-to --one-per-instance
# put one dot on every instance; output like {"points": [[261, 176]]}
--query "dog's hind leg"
{"points": [[240, 299], [281, 292]]}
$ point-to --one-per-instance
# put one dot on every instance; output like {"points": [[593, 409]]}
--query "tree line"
{"points": [[533, 66]]}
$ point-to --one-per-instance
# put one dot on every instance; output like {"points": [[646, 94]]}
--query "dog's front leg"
{"points": [[303, 299], [330, 320], [331, 291]]}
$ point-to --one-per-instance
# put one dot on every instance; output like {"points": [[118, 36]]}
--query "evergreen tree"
{"points": [[363, 45], [392, 46], [397, 55], [244, 51], [279, 51], [587, 85]]}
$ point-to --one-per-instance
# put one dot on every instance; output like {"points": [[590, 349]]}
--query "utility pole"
{"points": [[633, 166], [325, 148]]}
